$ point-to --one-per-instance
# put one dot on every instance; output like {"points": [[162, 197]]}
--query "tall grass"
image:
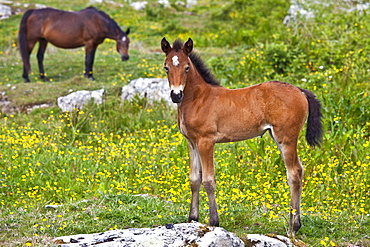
{"points": [[91, 164]]}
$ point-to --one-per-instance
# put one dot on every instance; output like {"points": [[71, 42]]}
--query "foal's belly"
{"points": [[238, 136]]}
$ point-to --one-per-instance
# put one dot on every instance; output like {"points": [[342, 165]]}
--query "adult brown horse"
{"points": [[88, 27], [209, 113]]}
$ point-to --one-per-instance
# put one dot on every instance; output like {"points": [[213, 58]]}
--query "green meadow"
{"points": [[84, 171]]}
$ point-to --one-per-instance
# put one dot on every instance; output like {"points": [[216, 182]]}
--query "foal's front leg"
{"points": [[195, 182]]}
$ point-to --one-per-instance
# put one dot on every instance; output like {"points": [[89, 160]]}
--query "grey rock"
{"points": [[5, 11], [183, 234], [77, 100], [258, 240], [155, 89]]}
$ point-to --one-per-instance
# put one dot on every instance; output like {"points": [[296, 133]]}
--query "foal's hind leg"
{"points": [[40, 57], [206, 151], [288, 150]]}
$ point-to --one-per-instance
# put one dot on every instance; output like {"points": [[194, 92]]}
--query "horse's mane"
{"points": [[177, 45], [198, 64], [112, 23], [203, 70]]}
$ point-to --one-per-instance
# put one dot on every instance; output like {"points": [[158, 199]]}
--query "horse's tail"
{"points": [[314, 125], [23, 42]]}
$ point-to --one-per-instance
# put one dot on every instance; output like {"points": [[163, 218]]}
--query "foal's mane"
{"points": [[199, 64]]}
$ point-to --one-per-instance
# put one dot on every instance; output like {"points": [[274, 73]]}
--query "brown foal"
{"points": [[209, 113]]}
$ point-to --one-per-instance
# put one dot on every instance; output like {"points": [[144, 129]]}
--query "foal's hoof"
{"points": [[214, 222]]}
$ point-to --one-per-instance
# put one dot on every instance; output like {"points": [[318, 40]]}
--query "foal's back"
{"points": [[244, 113]]}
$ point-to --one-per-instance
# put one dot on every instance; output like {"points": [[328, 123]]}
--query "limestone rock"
{"points": [[170, 235], [77, 100], [258, 240], [5, 11], [155, 89]]}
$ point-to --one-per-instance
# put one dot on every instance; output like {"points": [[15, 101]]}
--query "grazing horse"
{"points": [[209, 113], [88, 27]]}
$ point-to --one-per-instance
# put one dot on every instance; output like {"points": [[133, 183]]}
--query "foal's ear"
{"points": [[128, 31], [166, 47], [188, 47]]}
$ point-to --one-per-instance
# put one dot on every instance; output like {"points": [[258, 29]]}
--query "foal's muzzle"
{"points": [[177, 96], [125, 57]]}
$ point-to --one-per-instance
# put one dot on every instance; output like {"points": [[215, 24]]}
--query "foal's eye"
{"points": [[166, 69], [187, 69]]}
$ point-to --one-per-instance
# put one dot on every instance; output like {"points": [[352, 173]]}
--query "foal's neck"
{"points": [[195, 85]]}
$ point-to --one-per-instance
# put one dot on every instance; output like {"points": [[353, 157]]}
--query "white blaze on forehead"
{"points": [[124, 38], [175, 60]]}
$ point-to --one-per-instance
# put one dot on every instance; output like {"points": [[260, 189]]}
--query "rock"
{"points": [[138, 5], [106, 1], [29, 109], [306, 9], [170, 235], [77, 100], [258, 240], [6, 106], [155, 89], [5, 11], [297, 10]]}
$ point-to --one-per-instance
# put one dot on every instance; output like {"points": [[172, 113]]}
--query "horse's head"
{"points": [[123, 42], [177, 65]]}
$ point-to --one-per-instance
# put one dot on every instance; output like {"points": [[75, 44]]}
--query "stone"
{"points": [[170, 235], [155, 89], [272, 240], [5, 11], [138, 5], [297, 10], [78, 99], [305, 9]]}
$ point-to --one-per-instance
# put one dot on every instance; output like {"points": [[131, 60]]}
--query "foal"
{"points": [[209, 113]]}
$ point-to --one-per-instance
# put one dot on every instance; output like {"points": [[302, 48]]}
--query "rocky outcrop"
{"points": [[170, 235], [175, 235]]}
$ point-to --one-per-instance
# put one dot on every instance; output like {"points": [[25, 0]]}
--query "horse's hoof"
{"points": [[44, 78]]}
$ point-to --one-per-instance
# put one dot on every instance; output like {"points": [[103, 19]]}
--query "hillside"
{"points": [[91, 162]]}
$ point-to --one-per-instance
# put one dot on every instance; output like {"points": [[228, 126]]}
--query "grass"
{"points": [[93, 163]]}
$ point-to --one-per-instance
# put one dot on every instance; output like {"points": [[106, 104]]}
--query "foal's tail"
{"points": [[23, 42], [314, 125]]}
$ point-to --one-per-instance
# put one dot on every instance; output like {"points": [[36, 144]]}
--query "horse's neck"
{"points": [[195, 85], [113, 31]]}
